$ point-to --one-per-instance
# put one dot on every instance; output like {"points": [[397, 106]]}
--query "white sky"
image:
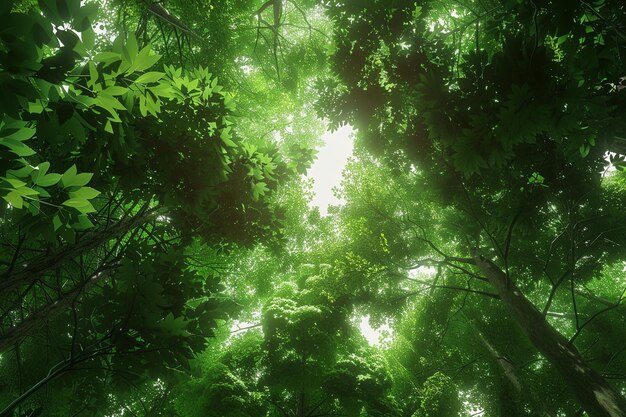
{"points": [[375, 337], [327, 168]]}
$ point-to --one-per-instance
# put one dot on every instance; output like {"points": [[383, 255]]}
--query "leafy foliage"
{"points": [[160, 256]]}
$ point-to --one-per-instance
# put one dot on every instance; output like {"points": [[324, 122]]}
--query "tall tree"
{"points": [[507, 109], [112, 165]]}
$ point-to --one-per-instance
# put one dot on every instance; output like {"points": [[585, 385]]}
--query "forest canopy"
{"points": [[162, 254]]}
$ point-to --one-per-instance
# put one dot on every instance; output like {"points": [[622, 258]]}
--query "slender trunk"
{"points": [[595, 395], [8, 410], [39, 317], [507, 367], [300, 412], [618, 308], [517, 388], [33, 269], [57, 370], [161, 13]]}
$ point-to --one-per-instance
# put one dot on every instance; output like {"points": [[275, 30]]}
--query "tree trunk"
{"points": [[300, 405], [38, 318], [514, 387], [595, 395], [32, 269], [161, 13], [508, 370]]}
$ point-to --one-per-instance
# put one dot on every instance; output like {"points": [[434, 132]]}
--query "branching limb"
{"points": [[597, 314]]}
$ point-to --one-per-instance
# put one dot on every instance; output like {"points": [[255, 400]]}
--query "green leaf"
{"points": [[108, 127], [536, 179], [259, 189], [73, 202], [256, 173], [15, 183], [174, 326], [83, 223], [130, 49], [43, 168], [83, 178], [107, 57], [467, 160], [49, 9], [142, 106], [56, 222], [42, 191], [17, 147], [69, 174], [68, 38], [584, 150], [35, 108], [71, 179], [48, 180], [149, 77], [14, 199], [417, 12], [83, 206], [108, 102], [93, 73], [145, 60], [226, 137], [88, 37], [25, 191], [115, 90], [33, 207], [84, 193], [162, 90], [40, 171], [42, 33], [23, 172], [21, 134], [63, 9]]}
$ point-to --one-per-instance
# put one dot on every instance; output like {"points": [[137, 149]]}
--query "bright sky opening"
{"points": [[375, 336], [328, 167]]}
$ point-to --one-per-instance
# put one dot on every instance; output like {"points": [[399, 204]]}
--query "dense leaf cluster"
{"points": [[160, 257]]}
